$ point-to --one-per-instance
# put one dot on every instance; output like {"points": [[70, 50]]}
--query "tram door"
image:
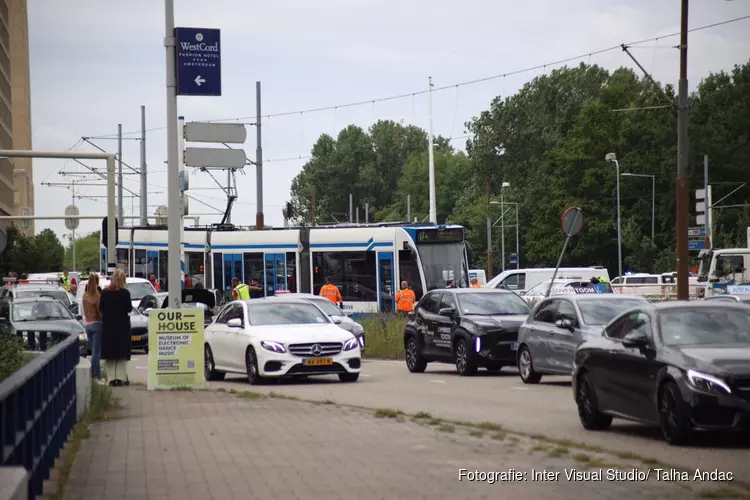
{"points": [[275, 273], [386, 288], [152, 263], [232, 269]]}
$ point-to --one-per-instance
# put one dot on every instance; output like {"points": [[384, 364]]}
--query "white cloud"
{"points": [[95, 63]]}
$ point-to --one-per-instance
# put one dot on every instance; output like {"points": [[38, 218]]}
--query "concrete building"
{"points": [[16, 178]]}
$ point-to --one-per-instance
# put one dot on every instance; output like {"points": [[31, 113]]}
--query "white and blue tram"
{"points": [[366, 262]]}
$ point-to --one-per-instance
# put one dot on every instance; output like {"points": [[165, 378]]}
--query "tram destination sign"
{"points": [[452, 235]]}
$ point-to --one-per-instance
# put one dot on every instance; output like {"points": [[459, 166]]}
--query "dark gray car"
{"points": [[547, 341]]}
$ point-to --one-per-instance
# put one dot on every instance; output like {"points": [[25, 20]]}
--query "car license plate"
{"points": [[135, 338], [514, 347], [318, 362]]}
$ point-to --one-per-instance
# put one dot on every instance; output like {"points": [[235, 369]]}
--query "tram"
{"points": [[366, 261]]}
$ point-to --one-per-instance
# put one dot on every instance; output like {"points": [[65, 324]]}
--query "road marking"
{"points": [[438, 381], [521, 388], [141, 367], [365, 375]]}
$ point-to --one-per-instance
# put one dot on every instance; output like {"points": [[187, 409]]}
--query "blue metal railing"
{"points": [[38, 411]]}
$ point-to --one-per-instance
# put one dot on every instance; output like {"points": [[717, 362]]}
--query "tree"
{"points": [[87, 252], [35, 254]]}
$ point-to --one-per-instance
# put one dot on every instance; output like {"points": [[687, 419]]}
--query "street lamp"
{"points": [[515, 205], [653, 198], [612, 158], [502, 223]]}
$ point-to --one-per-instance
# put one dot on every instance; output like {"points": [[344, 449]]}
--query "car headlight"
{"points": [[350, 344], [357, 329], [707, 383], [270, 345], [81, 336]]}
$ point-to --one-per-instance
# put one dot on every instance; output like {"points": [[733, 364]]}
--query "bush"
{"points": [[12, 356], [384, 336]]}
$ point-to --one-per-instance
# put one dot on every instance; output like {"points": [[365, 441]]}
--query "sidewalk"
{"points": [[213, 445]]}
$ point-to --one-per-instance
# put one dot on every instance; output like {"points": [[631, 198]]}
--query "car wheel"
{"points": [[251, 362], [348, 377], [588, 408], [674, 423], [414, 360], [465, 363], [526, 367], [209, 367]]}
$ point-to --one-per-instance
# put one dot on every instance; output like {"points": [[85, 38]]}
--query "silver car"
{"points": [[337, 315], [548, 339]]}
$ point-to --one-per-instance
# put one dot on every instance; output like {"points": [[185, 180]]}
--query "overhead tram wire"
{"points": [[451, 86]]}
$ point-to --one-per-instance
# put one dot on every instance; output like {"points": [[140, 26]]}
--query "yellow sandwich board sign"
{"points": [[175, 348]]}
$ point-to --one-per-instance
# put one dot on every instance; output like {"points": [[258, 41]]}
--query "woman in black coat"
{"points": [[115, 305]]}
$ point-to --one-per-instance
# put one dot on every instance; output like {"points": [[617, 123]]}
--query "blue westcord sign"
{"points": [[198, 69]]}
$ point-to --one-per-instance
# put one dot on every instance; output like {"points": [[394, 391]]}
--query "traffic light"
{"points": [[104, 232]]}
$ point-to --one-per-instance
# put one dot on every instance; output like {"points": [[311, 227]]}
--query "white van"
{"points": [[521, 280], [479, 274], [650, 285]]}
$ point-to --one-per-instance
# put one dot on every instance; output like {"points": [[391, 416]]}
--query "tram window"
{"points": [[291, 272], [163, 271], [194, 266], [408, 270], [122, 260], [141, 264], [218, 272], [354, 273], [254, 267]]}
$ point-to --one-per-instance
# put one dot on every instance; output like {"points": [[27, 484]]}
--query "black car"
{"points": [[470, 327], [40, 321], [683, 366]]}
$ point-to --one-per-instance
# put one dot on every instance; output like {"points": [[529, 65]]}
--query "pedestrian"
{"points": [[65, 281], [240, 291], [331, 292], [475, 283], [405, 298], [154, 283], [451, 284], [256, 291], [93, 323], [115, 305]]}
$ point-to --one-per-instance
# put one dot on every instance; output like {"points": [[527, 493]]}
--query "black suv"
{"points": [[470, 327]]}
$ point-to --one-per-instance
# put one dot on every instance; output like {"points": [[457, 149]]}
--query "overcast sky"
{"points": [[94, 63]]}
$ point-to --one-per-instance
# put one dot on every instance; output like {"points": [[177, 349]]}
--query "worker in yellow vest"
{"points": [[405, 298], [65, 281], [331, 292], [240, 291]]}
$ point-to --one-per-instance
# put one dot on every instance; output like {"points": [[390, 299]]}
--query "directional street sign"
{"points": [[227, 133], [700, 206], [697, 232], [700, 194], [696, 244], [198, 69], [700, 219], [184, 180], [215, 158]]}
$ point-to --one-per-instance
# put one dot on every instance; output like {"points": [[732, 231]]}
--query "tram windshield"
{"points": [[442, 263]]}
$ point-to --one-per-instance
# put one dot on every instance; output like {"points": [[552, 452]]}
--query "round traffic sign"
{"points": [[572, 221], [72, 223]]}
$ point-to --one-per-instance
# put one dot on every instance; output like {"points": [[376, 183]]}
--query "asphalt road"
{"points": [[500, 398]]}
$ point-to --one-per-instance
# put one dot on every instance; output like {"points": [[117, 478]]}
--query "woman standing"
{"points": [[115, 306], [93, 323]]}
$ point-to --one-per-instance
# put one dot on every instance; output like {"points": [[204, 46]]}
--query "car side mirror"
{"points": [[79, 317], [4, 321], [636, 339], [234, 323], [447, 311], [338, 321], [565, 324], [147, 310], [410, 315]]}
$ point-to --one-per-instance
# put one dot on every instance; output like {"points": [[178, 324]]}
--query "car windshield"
{"points": [[40, 311], [705, 326], [492, 304], [442, 263], [285, 314], [140, 289], [601, 312], [60, 295], [328, 307]]}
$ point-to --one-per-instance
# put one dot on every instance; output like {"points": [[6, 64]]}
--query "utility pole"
{"points": [[357, 211], [431, 157], [367, 213], [351, 208], [229, 195], [174, 214], [120, 213], [144, 177], [313, 208], [73, 231], [259, 223], [683, 290], [408, 208], [489, 231], [707, 225]]}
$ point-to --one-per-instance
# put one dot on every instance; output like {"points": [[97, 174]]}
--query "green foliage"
{"points": [[384, 337], [32, 254], [87, 252], [11, 355]]}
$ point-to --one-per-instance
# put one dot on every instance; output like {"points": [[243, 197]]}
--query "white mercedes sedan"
{"points": [[267, 338]]}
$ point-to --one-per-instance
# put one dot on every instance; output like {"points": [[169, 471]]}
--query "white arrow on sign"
{"points": [[199, 80]]}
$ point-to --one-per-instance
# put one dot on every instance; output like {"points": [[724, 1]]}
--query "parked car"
{"points": [[138, 331], [338, 315], [682, 366], [550, 335], [470, 327], [268, 338], [40, 321], [743, 299], [138, 288], [40, 289], [563, 287]]}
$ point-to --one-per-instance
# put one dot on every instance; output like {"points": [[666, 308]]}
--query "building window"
{"points": [[291, 272], [354, 273], [194, 270], [408, 270]]}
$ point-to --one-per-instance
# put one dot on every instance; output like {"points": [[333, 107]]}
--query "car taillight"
{"points": [[73, 285]]}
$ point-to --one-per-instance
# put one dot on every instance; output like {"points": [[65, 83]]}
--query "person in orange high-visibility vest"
{"points": [[475, 283], [405, 298], [331, 292]]}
